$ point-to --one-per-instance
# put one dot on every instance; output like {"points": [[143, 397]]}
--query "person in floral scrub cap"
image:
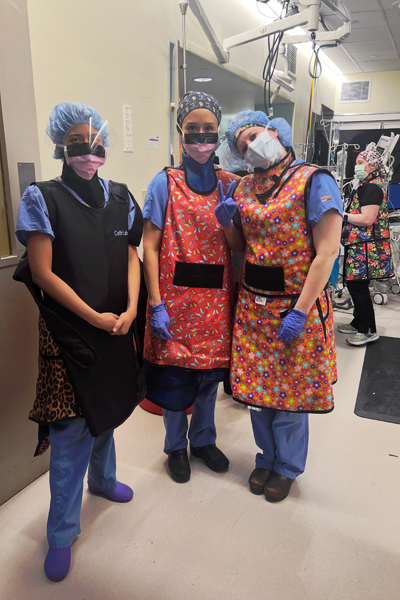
{"points": [[365, 237]]}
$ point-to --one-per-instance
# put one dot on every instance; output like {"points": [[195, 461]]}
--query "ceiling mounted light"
{"points": [[202, 79], [374, 56]]}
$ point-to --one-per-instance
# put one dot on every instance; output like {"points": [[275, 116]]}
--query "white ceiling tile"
{"points": [[384, 65], [368, 19], [343, 61], [361, 5], [335, 52], [366, 56], [393, 17], [386, 3], [372, 34], [370, 47], [395, 31], [348, 69]]}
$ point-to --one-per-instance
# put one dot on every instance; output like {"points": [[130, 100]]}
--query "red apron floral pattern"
{"points": [[264, 372], [201, 318], [367, 249]]}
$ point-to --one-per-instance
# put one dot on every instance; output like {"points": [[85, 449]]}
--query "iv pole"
{"points": [[183, 5]]}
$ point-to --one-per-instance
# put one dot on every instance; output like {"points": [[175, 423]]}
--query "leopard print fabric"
{"points": [[55, 398]]}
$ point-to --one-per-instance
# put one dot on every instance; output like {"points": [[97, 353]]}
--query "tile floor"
{"points": [[337, 536]]}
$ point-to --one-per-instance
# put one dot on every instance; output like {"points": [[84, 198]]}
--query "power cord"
{"points": [[274, 41]]}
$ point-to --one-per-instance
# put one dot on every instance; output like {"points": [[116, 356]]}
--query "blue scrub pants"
{"points": [[73, 449], [202, 427], [283, 439]]}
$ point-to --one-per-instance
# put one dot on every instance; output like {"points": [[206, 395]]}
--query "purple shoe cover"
{"points": [[121, 493], [57, 563]]}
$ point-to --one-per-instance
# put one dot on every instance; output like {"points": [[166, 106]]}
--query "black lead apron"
{"points": [[90, 253]]}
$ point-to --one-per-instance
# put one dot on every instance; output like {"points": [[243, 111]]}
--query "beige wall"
{"points": [[18, 315], [385, 93], [108, 54], [126, 62]]}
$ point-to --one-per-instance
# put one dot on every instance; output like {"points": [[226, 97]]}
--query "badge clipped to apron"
{"points": [[261, 300]]}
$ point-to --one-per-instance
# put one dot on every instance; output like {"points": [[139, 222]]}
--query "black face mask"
{"points": [[200, 138], [84, 148], [90, 191]]}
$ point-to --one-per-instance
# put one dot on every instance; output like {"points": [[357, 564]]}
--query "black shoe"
{"points": [[179, 467], [212, 456]]}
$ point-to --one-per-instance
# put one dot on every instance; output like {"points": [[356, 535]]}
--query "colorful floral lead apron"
{"points": [[296, 376], [367, 249], [196, 280]]}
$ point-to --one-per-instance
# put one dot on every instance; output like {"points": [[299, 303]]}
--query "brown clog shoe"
{"points": [[258, 480], [277, 488]]}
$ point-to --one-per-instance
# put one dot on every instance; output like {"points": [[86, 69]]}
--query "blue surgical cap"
{"points": [[285, 134], [67, 114], [258, 118], [244, 119]]}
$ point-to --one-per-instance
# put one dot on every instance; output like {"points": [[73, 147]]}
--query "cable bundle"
{"points": [[274, 41]]}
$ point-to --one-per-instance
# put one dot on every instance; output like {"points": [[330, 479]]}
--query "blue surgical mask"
{"points": [[264, 152]]}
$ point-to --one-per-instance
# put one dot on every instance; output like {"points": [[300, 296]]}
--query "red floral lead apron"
{"points": [[201, 317], [264, 372]]}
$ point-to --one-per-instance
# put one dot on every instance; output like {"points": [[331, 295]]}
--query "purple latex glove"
{"points": [[160, 321], [291, 326], [227, 206]]}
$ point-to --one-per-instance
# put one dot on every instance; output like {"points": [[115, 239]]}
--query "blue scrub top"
{"points": [[33, 214], [324, 195], [200, 178]]}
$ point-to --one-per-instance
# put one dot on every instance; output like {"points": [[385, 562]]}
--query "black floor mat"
{"points": [[379, 392]]}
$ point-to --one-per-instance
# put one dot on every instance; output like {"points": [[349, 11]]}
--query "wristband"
{"points": [[345, 218]]}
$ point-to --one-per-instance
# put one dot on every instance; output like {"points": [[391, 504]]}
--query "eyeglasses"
{"points": [[85, 148], [200, 138]]}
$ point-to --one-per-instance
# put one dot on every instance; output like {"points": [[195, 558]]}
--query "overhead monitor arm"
{"points": [[321, 37], [309, 17]]}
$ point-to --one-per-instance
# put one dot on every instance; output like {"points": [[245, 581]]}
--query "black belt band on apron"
{"points": [[264, 278], [199, 275]]}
